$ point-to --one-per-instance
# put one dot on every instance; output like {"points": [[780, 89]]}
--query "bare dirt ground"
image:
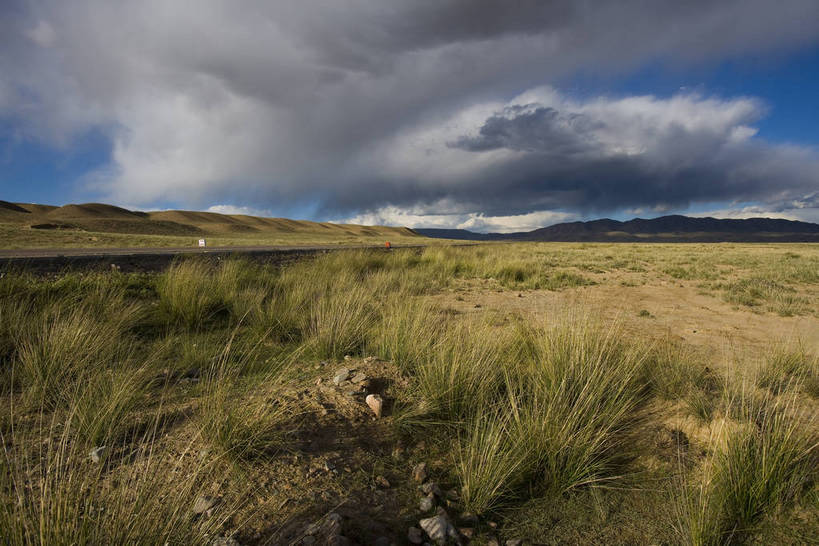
{"points": [[678, 309]]}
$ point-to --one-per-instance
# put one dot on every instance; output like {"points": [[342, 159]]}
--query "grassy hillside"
{"points": [[24, 225], [544, 393]]}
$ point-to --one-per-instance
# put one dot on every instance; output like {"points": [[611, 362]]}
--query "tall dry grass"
{"points": [[760, 464], [53, 494]]}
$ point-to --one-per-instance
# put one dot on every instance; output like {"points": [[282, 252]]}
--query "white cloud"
{"points": [[42, 34], [232, 209], [393, 216], [805, 209]]}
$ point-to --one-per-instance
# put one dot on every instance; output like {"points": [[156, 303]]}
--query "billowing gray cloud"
{"points": [[539, 129], [365, 106]]}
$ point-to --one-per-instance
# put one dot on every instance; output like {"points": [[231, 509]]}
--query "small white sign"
{"points": [[201, 242]]}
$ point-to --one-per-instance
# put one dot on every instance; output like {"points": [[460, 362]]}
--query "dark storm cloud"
{"points": [[362, 104], [542, 129], [601, 159]]}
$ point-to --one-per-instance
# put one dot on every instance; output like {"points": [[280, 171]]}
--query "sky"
{"points": [[485, 115]]}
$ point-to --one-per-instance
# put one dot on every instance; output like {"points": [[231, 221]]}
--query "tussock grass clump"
{"points": [[676, 372], [103, 403], [533, 276], [192, 293], [189, 294], [340, 318], [580, 403], [63, 345], [491, 462], [54, 495], [463, 374], [244, 422], [672, 369], [243, 419], [776, 296], [572, 398], [788, 368], [701, 403], [11, 317], [766, 463], [406, 332]]}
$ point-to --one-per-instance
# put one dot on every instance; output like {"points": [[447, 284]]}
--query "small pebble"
{"points": [[97, 454], [341, 375], [415, 535], [203, 504], [375, 403], [419, 472], [426, 504]]}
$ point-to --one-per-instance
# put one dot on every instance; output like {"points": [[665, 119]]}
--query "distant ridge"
{"points": [[674, 228]]}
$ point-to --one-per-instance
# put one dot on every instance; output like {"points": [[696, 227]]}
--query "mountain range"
{"points": [[674, 228]]}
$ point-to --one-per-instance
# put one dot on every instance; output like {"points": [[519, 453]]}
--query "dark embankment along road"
{"points": [[157, 259]]}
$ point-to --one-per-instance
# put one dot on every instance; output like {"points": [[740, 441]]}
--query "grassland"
{"points": [[558, 393]]}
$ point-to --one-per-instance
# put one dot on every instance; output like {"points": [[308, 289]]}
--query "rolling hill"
{"points": [[95, 224], [674, 228]]}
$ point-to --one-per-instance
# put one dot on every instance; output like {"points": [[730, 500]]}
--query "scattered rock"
{"points": [[438, 529], [348, 357], [419, 472], [97, 454], [376, 403], [358, 378], [467, 532], [492, 541], [341, 375], [426, 504], [327, 527], [370, 359], [431, 488], [202, 504], [468, 519], [415, 535], [453, 495], [514, 542], [308, 540], [381, 481]]}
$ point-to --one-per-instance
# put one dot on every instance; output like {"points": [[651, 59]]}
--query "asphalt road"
{"points": [[154, 259]]}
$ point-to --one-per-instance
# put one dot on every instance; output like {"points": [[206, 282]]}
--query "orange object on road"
{"points": [[388, 245]]}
